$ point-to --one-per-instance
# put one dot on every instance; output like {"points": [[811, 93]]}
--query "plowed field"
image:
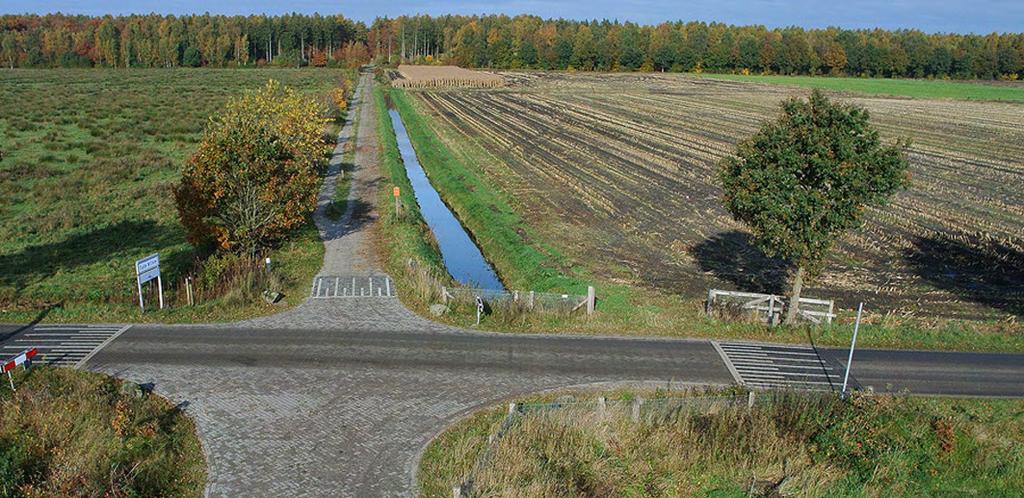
{"points": [[617, 172]]}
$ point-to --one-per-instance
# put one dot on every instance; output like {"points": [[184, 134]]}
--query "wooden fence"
{"points": [[769, 307]]}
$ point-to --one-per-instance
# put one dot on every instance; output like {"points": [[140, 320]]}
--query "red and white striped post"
{"points": [[24, 359]]}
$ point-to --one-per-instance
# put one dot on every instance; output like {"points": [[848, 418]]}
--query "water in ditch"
{"points": [[461, 256]]}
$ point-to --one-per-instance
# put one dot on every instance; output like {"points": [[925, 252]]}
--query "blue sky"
{"points": [[978, 16]]}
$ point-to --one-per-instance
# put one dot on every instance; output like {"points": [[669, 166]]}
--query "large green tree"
{"points": [[806, 178]]}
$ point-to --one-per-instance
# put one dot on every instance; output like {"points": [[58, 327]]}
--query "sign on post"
{"points": [[398, 208], [147, 269]]}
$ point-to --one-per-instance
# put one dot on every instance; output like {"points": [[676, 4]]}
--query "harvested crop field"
{"points": [[616, 170], [409, 76]]}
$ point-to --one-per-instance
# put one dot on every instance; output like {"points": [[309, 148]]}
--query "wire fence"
{"points": [[637, 408], [527, 300]]}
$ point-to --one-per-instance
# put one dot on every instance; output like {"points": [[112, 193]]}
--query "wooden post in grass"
{"points": [[591, 299], [750, 400], [602, 405], [636, 408]]}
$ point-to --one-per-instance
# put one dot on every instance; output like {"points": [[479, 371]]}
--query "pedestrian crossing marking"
{"points": [[770, 366], [64, 345], [331, 287]]}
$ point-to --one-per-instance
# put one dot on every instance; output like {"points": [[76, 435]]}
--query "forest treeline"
{"points": [[503, 42], [56, 40]]}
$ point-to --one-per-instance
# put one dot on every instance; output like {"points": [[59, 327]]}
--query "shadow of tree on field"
{"points": [[733, 257], [108, 243], [986, 272]]}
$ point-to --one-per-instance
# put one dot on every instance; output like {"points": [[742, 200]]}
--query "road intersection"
{"points": [[339, 396]]}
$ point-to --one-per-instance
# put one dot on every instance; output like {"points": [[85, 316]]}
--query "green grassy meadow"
{"points": [[790, 443], [65, 432], [924, 89], [89, 158]]}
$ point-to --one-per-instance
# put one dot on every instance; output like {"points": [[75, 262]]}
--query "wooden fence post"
{"points": [[591, 299], [602, 405], [636, 408], [531, 300]]}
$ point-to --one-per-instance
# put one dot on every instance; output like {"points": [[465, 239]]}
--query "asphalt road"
{"points": [[939, 373]]}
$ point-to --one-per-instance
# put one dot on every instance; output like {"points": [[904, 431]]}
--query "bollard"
{"points": [[750, 400], [636, 408], [479, 308], [602, 405], [591, 300], [511, 408]]}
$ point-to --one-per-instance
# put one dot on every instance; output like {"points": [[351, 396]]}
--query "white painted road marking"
{"points": [[65, 345], [764, 366], [330, 287]]}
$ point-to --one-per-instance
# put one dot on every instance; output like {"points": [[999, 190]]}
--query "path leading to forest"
{"points": [[338, 396]]}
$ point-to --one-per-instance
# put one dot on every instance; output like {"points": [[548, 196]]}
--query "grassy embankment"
{"points": [[526, 262], [89, 158], [71, 433], [927, 89], [807, 444]]}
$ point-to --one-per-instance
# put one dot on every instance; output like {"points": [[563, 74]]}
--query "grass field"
{"points": [[66, 432], [928, 89], [88, 161], [792, 444], [613, 174]]}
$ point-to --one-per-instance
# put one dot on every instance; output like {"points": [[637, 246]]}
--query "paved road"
{"points": [[338, 396], [345, 413]]}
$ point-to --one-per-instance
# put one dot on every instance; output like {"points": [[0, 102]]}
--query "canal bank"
{"points": [[460, 254]]}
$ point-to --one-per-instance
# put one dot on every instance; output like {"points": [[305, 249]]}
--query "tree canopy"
{"points": [[256, 173], [806, 178], [503, 42]]}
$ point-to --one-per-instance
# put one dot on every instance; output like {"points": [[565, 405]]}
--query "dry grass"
{"points": [[795, 444], [72, 433]]}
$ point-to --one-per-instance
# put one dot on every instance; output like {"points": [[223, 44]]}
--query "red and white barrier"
{"points": [[21, 359]]}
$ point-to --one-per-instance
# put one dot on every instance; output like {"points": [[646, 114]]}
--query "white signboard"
{"points": [[147, 269]]}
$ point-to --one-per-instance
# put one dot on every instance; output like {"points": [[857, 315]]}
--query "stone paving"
{"points": [[342, 413]]}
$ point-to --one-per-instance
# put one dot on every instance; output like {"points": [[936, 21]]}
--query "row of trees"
{"points": [[499, 41], [153, 40], [531, 42]]}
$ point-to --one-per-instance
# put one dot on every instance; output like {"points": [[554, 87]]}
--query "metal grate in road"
{"points": [[777, 366], [63, 345], [329, 287]]}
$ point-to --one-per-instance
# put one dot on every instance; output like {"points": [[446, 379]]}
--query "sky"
{"points": [[960, 16]]}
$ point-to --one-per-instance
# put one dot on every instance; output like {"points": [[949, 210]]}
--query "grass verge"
{"points": [[525, 262], [793, 444], [923, 89], [66, 432]]}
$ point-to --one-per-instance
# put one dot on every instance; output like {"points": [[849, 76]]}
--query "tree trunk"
{"points": [[794, 297]]}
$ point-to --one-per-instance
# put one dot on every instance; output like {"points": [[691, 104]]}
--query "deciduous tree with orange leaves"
{"points": [[256, 173]]}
